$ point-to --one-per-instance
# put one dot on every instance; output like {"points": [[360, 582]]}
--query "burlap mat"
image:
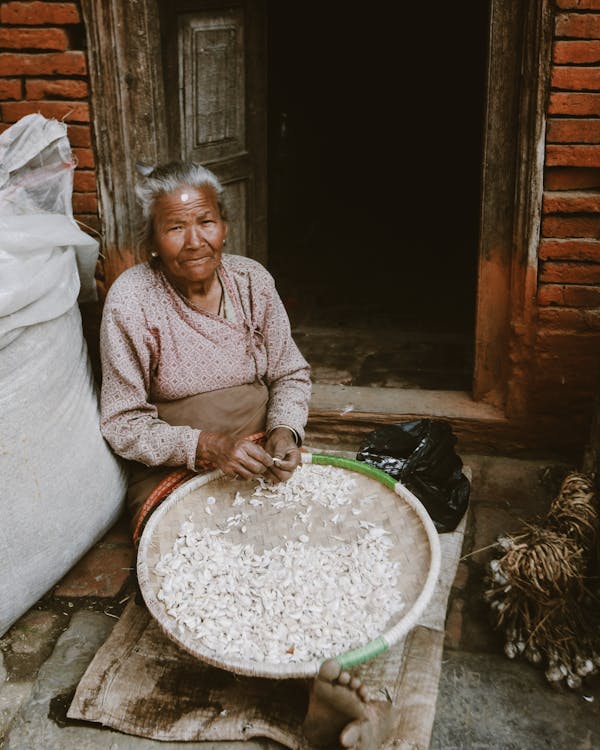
{"points": [[141, 683]]}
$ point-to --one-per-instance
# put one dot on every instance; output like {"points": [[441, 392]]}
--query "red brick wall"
{"points": [[43, 69], [567, 347]]}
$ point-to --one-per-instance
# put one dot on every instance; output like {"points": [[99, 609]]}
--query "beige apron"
{"points": [[240, 410]]}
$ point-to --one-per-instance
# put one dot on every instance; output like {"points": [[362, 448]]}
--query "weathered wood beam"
{"points": [[128, 115]]}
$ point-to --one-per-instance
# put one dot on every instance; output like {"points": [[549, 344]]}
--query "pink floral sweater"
{"points": [[156, 348]]}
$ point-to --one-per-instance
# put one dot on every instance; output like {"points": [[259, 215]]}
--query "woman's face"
{"points": [[189, 234]]}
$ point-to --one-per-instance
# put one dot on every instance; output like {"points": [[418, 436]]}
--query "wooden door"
{"points": [[215, 90]]}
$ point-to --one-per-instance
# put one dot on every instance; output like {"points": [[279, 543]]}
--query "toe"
{"points": [[351, 734], [363, 693], [344, 678], [330, 670], [355, 683]]}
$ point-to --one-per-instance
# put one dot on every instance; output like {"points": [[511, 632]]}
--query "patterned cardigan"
{"points": [[154, 347]]}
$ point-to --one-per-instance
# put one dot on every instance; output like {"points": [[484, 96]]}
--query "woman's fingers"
{"points": [[238, 457], [288, 462], [283, 466], [286, 454], [249, 459], [233, 455]]}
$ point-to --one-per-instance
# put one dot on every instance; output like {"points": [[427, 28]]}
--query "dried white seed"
{"points": [[291, 602]]}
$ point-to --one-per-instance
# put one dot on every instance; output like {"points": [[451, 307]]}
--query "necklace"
{"points": [[220, 310]]}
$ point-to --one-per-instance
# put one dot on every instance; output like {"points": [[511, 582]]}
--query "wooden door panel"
{"points": [[237, 215], [211, 85], [216, 105]]}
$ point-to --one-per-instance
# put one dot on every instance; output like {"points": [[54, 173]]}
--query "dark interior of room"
{"points": [[375, 138]]}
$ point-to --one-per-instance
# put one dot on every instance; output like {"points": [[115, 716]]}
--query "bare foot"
{"points": [[371, 732], [339, 713]]}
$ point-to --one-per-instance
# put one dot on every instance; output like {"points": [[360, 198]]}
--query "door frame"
{"points": [[128, 117], [518, 77]]}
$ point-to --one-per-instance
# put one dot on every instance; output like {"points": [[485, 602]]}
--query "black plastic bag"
{"points": [[421, 455]]}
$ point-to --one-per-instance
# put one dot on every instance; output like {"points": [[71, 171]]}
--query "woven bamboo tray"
{"points": [[416, 547]]}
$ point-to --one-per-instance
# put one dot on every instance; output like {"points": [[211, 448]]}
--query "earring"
{"points": [[154, 254], [224, 243]]}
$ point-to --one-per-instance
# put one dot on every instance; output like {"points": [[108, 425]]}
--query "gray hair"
{"points": [[153, 182]]}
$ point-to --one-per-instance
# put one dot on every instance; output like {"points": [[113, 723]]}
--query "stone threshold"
{"points": [[341, 416], [363, 399]]}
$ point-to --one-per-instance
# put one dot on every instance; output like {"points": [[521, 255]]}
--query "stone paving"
{"points": [[485, 700]]}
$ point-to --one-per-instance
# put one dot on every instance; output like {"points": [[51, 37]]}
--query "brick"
{"points": [[36, 88], [573, 156], [566, 295], [586, 346], [570, 319], [570, 398], [583, 130], [574, 369], [101, 573], [85, 203], [578, 4], [84, 181], [79, 135], [84, 158], [570, 226], [571, 178], [569, 250], [576, 52], [13, 38], [563, 272], [574, 104], [67, 63], [37, 13], [10, 88], [559, 383], [67, 111], [89, 223], [574, 202], [572, 420], [580, 26], [575, 79]]}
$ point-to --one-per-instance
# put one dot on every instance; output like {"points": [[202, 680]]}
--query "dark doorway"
{"points": [[375, 140]]}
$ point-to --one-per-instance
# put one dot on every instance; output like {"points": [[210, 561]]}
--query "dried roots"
{"points": [[543, 589]]}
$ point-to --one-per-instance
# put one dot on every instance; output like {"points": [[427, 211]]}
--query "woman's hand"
{"points": [[235, 456], [286, 454]]}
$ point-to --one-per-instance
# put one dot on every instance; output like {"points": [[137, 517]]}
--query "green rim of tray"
{"points": [[382, 644]]}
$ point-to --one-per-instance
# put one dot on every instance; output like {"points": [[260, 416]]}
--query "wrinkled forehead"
{"points": [[186, 200]]}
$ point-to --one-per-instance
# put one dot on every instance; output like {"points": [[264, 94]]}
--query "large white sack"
{"points": [[62, 487]]}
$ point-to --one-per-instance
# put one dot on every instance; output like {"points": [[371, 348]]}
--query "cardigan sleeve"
{"points": [[129, 422], [288, 373]]}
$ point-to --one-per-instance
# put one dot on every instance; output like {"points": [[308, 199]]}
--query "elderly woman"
{"points": [[196, 350], [200, 369]]}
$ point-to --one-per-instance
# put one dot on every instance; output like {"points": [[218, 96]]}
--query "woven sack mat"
{"points": [[142, 684]]}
